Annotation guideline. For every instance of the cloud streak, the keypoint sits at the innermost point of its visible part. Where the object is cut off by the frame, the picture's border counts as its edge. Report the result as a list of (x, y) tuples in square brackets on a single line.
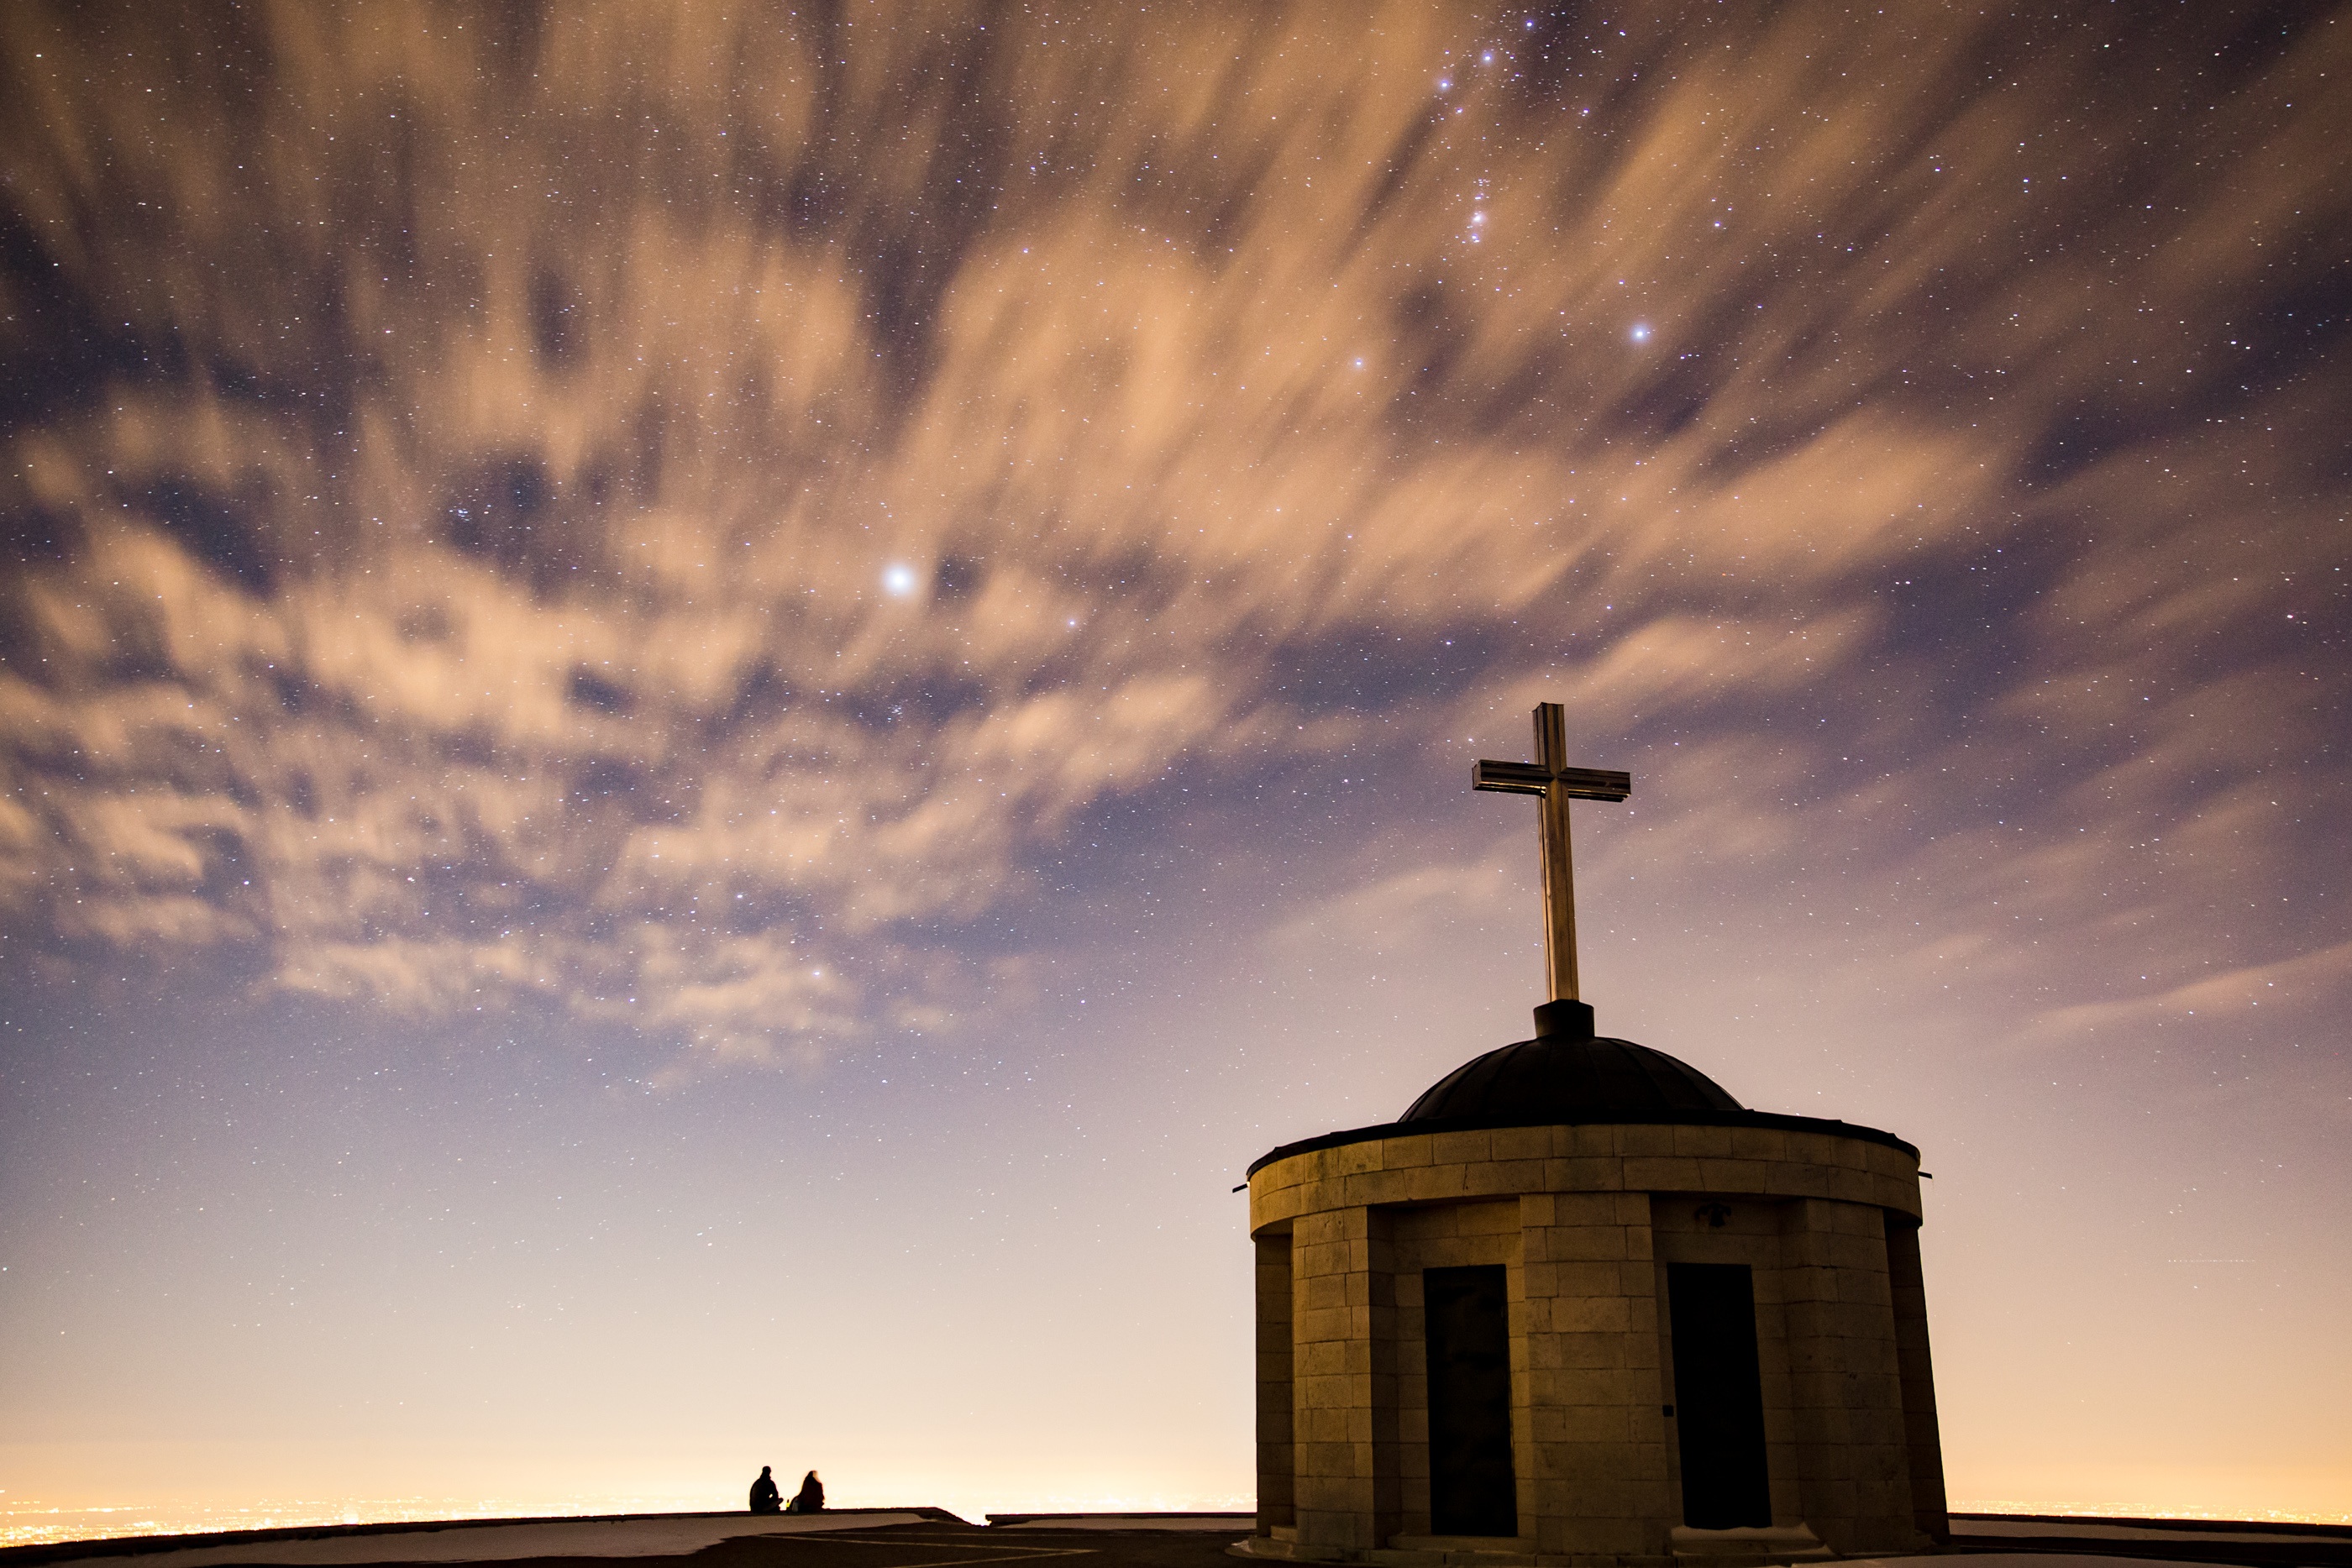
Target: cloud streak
[(454, 468)]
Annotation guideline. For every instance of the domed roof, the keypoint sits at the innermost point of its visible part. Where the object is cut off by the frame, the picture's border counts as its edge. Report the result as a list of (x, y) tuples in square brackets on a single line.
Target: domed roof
[(1567, 1074)]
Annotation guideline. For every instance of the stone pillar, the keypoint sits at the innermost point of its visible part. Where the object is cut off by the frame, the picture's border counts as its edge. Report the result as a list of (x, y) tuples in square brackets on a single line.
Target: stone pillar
[(1344, 1379), (1594, 1475), (1276, 1458), (1844, 1383), (1921, 1435)]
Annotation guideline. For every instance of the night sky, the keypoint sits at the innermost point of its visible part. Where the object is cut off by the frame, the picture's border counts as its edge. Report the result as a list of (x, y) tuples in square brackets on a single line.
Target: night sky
[(706, 709)]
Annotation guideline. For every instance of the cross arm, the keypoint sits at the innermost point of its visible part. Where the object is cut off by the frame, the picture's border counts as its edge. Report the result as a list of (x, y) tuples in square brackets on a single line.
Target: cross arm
[(1534, 779), (1593, 784), (1510, 778)]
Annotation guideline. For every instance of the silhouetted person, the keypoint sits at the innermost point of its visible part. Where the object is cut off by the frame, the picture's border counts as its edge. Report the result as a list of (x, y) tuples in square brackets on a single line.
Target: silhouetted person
[(765, 1497), (809, 1499)]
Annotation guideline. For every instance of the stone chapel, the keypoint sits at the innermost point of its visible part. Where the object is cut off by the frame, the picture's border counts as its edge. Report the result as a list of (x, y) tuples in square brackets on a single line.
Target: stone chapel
[(1579, 1307)]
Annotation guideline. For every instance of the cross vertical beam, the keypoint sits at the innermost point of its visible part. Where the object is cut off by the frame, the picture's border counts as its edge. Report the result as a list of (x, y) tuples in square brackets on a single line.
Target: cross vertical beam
[(1556, 784)]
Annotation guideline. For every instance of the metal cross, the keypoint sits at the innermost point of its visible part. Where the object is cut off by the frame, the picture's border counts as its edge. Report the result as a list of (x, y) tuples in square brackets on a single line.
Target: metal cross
[(1551, 777)]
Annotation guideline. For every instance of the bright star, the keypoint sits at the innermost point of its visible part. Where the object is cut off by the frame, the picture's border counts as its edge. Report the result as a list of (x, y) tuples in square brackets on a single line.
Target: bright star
[(1641, 333), (898, 580)]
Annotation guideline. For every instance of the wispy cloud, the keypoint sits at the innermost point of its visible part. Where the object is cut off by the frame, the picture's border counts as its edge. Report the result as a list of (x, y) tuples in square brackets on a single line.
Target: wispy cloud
[(455, 470)]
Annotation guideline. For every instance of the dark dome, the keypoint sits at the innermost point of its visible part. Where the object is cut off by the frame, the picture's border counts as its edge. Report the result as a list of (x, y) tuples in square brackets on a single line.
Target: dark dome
[(1569, 1077), (1565, 1076)]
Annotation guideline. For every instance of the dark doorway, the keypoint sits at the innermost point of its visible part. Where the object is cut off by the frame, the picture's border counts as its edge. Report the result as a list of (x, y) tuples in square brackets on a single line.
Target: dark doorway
[(1472, 1488), (1718, 1395)]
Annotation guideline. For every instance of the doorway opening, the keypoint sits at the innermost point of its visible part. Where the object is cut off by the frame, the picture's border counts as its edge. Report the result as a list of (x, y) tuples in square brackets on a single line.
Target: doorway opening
[(1473, 1486), (1718, 1395)]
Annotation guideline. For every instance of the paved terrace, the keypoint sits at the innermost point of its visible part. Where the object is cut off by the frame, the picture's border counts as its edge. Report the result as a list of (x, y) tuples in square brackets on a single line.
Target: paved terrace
[(933, 1537)]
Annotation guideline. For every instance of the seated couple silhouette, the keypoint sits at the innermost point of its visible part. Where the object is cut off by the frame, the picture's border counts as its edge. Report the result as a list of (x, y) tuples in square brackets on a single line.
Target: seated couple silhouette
[(767, 1499)]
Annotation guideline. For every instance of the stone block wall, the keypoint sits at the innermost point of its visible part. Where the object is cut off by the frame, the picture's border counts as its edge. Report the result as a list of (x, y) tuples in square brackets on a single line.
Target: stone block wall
[(1343, 1379), (1595, 1467), (1446, 1167), (1854, 1473), (1584, 1219)]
